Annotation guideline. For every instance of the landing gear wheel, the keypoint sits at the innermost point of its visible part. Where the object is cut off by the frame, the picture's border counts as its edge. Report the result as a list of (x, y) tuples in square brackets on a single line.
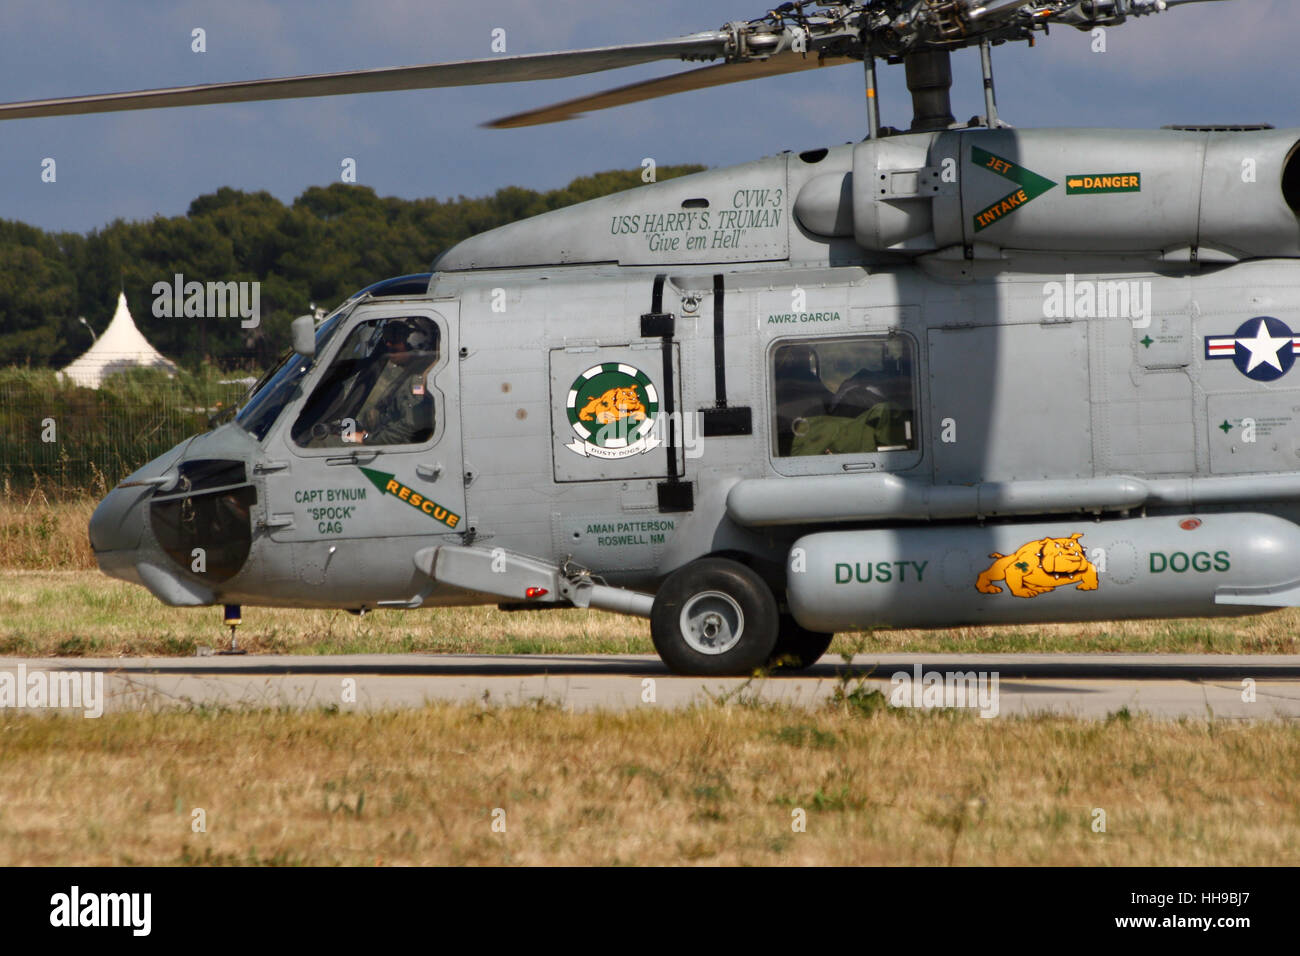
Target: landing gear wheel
[(714, 618), (797, 647)]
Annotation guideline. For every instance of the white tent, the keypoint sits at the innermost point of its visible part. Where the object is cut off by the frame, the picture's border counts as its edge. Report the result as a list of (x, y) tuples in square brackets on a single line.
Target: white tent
[(121, 347)]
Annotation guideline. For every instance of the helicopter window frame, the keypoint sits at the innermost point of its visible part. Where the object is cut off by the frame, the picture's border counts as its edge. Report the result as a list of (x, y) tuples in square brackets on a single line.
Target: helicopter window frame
[(372, 310), (885, 459), (281, 385), (354, 387)]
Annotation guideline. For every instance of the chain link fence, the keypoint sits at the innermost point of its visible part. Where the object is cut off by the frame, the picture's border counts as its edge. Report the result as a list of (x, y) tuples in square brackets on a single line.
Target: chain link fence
[(64, 438)]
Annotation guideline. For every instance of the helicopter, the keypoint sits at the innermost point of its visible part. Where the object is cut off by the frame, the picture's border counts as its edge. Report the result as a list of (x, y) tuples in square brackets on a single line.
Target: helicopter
[(958, 374)]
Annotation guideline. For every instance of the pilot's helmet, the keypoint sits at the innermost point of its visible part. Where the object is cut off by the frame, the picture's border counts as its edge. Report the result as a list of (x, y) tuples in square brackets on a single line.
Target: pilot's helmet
[(419, 341), (408, 333)]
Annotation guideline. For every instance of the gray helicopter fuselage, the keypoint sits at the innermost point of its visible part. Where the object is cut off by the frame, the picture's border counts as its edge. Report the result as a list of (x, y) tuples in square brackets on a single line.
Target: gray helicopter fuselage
[(875, 374)]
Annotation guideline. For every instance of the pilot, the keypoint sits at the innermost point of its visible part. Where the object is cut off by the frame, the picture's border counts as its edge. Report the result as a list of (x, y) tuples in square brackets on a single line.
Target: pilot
[(399, 409)]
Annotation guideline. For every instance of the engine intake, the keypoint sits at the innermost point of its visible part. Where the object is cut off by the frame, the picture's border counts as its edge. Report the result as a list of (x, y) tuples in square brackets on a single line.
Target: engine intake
[(1222, 194)]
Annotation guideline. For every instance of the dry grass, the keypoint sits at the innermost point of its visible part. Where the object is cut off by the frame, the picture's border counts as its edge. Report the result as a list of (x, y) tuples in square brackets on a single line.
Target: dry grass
[(85, 614), (712, 784), (715, 785), (41, 529)]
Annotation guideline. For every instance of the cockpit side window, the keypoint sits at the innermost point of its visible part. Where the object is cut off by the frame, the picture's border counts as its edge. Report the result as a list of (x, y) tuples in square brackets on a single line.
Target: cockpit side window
[(843, 396), (279, 386), (377, 390)]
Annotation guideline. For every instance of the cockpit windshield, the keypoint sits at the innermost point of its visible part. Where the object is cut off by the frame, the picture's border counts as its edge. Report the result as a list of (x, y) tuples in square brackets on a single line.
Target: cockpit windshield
[(377, 389), (269, 397)]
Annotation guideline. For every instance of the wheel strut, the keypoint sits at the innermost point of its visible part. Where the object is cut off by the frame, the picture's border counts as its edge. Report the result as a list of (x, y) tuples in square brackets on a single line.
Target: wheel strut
[(232, 620)]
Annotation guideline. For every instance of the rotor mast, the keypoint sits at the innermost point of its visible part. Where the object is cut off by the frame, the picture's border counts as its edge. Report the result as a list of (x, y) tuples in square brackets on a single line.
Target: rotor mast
[(929, 80)]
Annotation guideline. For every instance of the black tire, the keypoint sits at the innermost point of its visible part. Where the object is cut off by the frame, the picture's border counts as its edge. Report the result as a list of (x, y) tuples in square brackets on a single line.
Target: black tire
[(721, 594), (797, 647)]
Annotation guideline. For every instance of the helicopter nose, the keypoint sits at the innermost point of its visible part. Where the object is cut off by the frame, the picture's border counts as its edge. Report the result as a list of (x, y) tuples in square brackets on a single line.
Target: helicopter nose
[(179, 526), (116, 530)]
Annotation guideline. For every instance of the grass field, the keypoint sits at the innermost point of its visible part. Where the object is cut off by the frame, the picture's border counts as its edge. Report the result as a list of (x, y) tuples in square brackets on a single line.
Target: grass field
[(44, 529), (85, 614), (716, 784), (721, 783)]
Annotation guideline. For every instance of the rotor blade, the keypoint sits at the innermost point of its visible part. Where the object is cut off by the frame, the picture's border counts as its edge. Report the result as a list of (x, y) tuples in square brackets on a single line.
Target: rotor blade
[(699, 79), (503, 69)]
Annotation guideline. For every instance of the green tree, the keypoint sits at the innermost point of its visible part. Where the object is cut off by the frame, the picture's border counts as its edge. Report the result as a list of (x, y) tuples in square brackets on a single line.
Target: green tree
[(331, 241)]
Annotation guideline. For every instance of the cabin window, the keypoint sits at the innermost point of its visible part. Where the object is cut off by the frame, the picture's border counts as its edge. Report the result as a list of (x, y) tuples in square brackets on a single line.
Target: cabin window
[(377, 390), (844, 396)]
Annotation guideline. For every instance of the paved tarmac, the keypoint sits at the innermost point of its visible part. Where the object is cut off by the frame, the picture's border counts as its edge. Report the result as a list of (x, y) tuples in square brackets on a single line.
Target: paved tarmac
[(1092, 686)]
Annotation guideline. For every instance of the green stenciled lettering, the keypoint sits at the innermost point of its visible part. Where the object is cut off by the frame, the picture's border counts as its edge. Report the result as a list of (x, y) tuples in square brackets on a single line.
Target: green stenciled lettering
[(1221, 561), (880, 572)]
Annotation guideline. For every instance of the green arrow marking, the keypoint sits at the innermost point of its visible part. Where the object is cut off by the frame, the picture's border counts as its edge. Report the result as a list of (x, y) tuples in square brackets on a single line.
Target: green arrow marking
[(389, 485), (1226, 427), (1031, 186)]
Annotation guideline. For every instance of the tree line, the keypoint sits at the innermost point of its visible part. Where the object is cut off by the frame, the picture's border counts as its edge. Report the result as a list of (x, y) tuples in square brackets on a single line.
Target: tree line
[(325, 245)]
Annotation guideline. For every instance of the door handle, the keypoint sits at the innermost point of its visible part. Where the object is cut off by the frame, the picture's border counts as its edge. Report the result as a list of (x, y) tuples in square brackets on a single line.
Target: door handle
[(429, 472), (356, 458)]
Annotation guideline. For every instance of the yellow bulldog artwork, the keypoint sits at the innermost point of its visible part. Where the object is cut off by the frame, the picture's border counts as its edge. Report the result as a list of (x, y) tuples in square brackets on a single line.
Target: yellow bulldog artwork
[(614, 405), (612, 409), (1040, 566)]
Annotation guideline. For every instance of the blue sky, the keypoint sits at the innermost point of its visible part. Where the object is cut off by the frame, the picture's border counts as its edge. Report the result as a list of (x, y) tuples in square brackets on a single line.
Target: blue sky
[(1228, 62)]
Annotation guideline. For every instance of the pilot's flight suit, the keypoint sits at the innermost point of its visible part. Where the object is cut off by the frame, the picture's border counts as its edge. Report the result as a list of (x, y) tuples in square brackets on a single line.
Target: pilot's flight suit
[(371, 413), (404, 413)]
